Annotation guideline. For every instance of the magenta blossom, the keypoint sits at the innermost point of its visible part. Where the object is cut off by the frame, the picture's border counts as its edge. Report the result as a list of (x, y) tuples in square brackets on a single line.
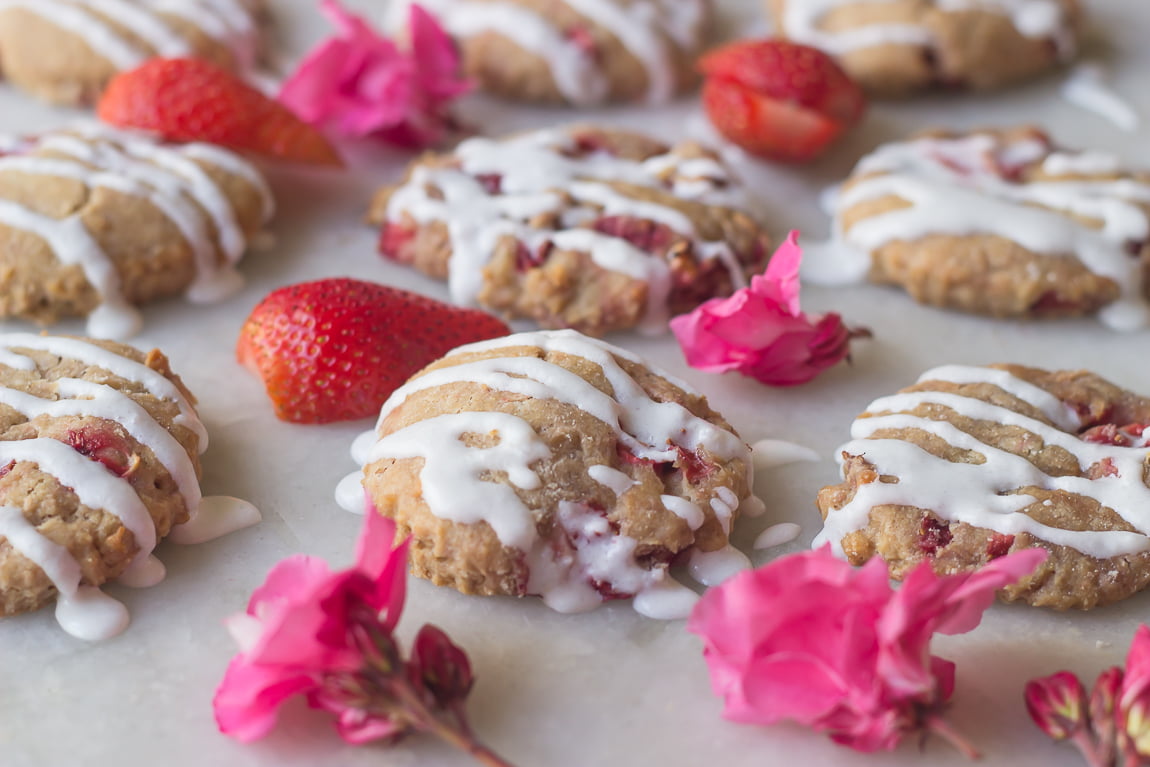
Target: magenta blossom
[(327, 636), (296, 630), (761, 332), (811, 639), (360, 84), (1113, 728)]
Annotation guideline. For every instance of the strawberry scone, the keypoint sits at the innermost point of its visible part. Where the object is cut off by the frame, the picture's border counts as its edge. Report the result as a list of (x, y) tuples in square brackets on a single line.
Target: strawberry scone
[(579, 52), (66, 51), (898, 47), (554, 464), (581, 227), (971, 463), (94, 221), (1002, 223), (99, 460)]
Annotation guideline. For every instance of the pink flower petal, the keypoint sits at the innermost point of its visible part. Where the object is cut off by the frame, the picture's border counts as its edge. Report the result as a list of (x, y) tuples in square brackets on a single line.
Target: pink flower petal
[(361, 84), (248, 700), (810, 639), (761, 332), (782, 273)]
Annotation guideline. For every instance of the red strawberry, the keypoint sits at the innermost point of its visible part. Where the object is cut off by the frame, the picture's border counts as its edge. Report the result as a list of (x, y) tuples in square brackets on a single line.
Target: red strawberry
[(195, 100), (334, 349), (778, 99)]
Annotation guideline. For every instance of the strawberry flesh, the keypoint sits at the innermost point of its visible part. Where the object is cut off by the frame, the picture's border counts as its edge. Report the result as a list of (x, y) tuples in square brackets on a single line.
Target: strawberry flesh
[(778, 99)]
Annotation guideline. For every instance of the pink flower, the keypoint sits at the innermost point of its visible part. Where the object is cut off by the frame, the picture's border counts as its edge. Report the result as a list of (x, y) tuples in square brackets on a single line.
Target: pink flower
[(361, 84), (811, 639), (1116, 728), (761, 332), (329, 637), (297, 630)]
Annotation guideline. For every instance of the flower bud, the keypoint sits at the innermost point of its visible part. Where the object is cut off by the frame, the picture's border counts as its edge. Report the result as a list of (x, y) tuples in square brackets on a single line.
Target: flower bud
[(1057, 704), (441, 667)]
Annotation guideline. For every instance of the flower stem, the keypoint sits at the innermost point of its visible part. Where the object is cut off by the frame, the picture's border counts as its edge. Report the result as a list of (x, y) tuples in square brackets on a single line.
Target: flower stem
[(1091, 751), (939, 726), (457, 733)]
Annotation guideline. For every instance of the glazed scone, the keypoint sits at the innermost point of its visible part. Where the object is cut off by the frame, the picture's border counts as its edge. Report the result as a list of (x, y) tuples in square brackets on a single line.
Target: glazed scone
[(94, 222), (899, 47), (99, 459), (1002, 223), (971, 463), (579, 52), (581, 227), (66, 51), (553, 464)]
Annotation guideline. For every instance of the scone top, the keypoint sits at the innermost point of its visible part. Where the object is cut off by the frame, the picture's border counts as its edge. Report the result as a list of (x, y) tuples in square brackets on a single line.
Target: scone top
[(581, 227)]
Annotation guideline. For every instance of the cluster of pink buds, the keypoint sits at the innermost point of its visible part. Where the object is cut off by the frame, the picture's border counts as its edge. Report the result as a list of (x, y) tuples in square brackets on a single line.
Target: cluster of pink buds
[(1111, 725)]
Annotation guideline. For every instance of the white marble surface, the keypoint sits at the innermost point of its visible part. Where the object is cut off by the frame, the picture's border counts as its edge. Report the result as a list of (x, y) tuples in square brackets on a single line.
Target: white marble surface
[(608, 687)]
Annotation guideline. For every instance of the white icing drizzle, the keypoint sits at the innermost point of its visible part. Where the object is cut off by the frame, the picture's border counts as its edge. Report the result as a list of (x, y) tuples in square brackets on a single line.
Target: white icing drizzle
[(615, 480), (1061, 414), (1081, 164), (453, 475), (711, 568), (449, 465), (1087, 88), (537, 177), (229, 22), (777, 535), (988, 494), (73, 348), (82, 610), (685, 510), (650, 429), (956, 187), (170, 178), (667, 600), (215, 517), (802, 22), (772, 453), (349, 494), (648, 29)]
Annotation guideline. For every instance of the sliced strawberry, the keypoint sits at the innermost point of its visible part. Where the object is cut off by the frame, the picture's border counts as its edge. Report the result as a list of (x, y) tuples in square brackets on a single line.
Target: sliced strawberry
[(195, 100), (335, 349), (778, 99)]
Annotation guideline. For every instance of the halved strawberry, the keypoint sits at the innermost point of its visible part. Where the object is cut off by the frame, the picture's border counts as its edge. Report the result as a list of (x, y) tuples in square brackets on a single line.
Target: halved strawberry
[(195, 100), (778, 99), (335, 349)]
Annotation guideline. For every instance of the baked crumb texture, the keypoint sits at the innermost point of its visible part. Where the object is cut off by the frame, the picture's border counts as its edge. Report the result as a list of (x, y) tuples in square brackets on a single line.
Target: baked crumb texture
[(972, 463), (578, 227)]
